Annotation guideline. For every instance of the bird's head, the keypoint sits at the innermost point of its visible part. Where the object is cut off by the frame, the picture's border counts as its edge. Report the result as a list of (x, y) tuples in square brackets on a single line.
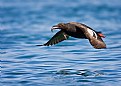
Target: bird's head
[(58, 26), (100, 34)]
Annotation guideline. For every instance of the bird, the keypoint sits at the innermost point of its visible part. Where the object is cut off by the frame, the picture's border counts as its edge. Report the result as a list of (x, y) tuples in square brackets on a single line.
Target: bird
[(76, 30)]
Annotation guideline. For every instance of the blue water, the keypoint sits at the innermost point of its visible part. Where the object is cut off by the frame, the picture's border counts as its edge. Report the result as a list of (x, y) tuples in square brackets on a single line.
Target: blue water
[(74, 62)]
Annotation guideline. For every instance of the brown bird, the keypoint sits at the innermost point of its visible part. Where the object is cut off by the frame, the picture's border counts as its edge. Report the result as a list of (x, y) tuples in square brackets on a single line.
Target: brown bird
[(77, 30)]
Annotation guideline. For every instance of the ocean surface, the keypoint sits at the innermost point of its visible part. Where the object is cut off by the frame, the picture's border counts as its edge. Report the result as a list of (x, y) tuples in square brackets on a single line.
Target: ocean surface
[(74, 62)]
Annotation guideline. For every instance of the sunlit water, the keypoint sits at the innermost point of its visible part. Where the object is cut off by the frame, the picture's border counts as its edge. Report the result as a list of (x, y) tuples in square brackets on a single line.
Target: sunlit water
[(74, 62)]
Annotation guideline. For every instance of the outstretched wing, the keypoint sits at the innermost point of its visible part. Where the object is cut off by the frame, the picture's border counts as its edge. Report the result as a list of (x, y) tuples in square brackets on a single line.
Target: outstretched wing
[(58, 37), (95, 40), (97, 43)]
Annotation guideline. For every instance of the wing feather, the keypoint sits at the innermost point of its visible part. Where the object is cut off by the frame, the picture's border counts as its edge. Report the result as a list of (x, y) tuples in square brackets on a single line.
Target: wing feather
[(58, 37), (95, 40)]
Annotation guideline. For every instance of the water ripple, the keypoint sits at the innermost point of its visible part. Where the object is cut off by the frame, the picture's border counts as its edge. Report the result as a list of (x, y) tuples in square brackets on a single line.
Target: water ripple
[(73, 62)]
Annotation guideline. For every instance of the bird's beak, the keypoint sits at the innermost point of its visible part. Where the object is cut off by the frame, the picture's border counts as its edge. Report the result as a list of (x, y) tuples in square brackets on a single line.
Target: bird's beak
[(54, 27)]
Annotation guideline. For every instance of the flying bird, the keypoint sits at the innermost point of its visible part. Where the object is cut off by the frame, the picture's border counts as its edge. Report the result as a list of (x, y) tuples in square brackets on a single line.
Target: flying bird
[(77, 30)]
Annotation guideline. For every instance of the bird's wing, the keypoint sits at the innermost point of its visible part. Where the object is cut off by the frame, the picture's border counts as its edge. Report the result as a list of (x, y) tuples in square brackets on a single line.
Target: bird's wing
[(97, 43), (58, 37), (95, 40)]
